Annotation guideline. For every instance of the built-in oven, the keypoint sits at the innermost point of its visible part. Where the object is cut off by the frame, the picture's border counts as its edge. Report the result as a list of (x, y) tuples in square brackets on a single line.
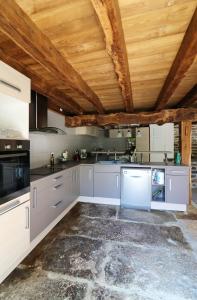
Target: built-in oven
[(14, 169)]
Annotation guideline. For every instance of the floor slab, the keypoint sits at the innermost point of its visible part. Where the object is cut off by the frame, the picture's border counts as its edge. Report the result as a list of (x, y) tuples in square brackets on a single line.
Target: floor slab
[(92, 254)]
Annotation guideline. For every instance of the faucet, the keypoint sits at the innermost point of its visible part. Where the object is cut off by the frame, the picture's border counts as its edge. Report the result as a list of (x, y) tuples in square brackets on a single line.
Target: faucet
[(108, 153), (115, 155), (96, 156)]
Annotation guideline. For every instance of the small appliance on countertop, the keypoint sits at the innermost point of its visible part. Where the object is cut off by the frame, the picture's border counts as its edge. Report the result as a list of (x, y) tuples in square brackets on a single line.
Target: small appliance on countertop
[(76, 156), (65, 156), (83, 153)]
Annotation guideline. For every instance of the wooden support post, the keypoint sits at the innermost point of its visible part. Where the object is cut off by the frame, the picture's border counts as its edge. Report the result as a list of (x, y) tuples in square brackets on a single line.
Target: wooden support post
[(186, 148)]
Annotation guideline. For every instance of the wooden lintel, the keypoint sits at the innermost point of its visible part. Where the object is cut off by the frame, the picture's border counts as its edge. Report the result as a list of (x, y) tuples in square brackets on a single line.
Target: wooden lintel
[(108, 13), (142, 118), (22, 30), (190, 98), (183, 60), (41, 86)]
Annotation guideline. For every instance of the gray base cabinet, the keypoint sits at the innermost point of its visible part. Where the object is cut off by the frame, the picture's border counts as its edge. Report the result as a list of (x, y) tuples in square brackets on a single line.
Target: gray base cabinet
[(50, 196), (177, 189), (86, 181), (107, 185)]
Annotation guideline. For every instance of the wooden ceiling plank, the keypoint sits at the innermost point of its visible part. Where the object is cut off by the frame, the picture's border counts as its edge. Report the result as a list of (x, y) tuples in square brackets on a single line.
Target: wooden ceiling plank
[(183, 60), (142, 118), (38, 84), (190, 98), (23, 31), (108, 13)]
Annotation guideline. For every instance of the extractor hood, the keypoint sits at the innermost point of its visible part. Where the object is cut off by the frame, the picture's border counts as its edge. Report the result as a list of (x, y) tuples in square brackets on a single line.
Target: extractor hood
[(53, 130), (38, 117)]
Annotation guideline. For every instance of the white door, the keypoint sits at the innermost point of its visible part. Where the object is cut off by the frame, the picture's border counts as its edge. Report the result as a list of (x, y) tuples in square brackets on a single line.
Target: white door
[(14, 237)]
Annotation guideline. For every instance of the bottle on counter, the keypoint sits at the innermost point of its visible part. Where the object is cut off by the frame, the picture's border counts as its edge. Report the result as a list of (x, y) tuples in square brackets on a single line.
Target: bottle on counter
[(52, 159), (178, 158)]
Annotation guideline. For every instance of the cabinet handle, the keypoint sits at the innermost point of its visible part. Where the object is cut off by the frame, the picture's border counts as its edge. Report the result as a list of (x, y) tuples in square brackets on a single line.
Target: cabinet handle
[(117, 181), (9, 206), (57, 204), (58, 177), (170, 185), (57, 187), (34, 197), (10, 85), (27, 217), (178, 172)]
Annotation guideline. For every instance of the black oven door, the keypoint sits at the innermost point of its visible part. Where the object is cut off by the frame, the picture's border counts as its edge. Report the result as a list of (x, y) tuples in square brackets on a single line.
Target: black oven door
[(14, 172)]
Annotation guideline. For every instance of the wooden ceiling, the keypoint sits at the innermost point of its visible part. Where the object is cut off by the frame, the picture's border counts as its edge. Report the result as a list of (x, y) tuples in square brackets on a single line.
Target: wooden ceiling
[(93, 56)]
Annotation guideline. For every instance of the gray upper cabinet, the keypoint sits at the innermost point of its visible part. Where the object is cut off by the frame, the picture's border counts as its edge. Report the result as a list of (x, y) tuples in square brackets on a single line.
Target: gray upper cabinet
[(177, 189), (86, 180), (107, 185)]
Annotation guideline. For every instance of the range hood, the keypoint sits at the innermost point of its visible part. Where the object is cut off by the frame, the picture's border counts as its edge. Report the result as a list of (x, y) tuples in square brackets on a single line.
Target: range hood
[(38, 116), (53, 130)]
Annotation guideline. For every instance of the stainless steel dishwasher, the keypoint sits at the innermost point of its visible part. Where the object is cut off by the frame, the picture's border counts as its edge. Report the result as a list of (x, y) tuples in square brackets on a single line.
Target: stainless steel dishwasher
[(136, 188)]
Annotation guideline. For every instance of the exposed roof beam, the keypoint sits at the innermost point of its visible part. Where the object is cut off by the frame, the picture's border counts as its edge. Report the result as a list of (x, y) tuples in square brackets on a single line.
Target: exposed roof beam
[(144, 118), (40, 85), (108, 13), (23, 31), (181, 64), (189, 98)]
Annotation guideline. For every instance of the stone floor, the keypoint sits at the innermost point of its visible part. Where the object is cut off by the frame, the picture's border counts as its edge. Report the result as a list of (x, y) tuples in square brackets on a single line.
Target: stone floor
[(99, 252)]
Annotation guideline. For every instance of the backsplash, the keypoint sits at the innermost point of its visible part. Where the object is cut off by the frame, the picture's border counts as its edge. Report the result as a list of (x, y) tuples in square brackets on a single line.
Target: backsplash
[(42, 144)]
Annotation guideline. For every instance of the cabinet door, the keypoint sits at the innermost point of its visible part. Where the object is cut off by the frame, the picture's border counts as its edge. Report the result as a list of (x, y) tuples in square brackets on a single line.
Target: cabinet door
[(107, 185), (14, 236), (86, 181), (39, 210), (177, 189), (76, 182), (14, 84)]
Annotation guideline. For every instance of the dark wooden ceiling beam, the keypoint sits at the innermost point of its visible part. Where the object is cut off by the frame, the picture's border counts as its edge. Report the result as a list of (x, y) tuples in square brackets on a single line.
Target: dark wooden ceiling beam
[(181, 64), (40, 85), (108, 13), (23, 31), (190, 98), (144, 118)]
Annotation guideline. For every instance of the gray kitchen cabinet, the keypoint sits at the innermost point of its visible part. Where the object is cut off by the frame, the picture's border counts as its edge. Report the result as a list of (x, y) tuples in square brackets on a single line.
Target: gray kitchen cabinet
[(107, 185), (50, 196), (75, 182), (86, 180), (39, 217), (177, 189)]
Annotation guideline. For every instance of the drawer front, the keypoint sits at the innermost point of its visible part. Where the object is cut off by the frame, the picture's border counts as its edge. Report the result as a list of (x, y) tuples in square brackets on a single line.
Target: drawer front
[(107, 168), (178, 171)]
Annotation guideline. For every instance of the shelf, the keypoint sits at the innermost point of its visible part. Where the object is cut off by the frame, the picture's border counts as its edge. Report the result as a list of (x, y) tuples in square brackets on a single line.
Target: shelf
[(158, 199), (155, 184)]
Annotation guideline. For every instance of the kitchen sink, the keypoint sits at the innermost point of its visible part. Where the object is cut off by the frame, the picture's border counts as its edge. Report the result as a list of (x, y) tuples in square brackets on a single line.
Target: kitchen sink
[(109, 162)]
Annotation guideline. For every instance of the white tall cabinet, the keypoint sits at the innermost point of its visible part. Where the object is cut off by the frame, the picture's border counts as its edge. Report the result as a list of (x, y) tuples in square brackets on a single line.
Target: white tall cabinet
[(161, 139)]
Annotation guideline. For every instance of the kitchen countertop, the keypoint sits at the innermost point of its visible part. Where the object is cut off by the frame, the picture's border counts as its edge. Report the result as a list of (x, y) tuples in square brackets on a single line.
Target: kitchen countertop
[(39, 173)]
